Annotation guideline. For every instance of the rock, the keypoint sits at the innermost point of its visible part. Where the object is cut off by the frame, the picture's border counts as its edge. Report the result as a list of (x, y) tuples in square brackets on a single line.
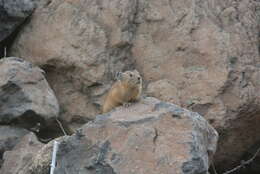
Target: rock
[(12, 14), (18, 160), (9, 137), (161, 88), (25, 96), (148, 137), (203, 55), (89, 42)]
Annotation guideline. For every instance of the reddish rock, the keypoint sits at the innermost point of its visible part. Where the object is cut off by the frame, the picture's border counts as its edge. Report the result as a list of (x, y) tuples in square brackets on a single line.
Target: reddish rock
[(89, 41), (148, 137), (203, 55)]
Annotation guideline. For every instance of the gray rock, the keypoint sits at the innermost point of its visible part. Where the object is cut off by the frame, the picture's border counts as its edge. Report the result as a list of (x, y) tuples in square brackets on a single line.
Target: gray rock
[(148, 137), (9, 137), (25, 96), (20, 157), (12, 14)]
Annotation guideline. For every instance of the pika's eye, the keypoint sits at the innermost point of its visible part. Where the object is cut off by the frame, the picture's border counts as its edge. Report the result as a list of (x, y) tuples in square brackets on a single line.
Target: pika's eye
[(131, 75)]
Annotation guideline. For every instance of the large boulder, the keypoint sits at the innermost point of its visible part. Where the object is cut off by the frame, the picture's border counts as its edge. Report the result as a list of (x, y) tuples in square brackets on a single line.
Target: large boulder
[(25, 96), (81, 53), (202, 55), (148, 137)]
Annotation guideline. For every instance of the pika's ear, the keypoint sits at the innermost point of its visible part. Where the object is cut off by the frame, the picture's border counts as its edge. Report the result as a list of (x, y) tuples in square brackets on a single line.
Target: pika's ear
[(118, 76)]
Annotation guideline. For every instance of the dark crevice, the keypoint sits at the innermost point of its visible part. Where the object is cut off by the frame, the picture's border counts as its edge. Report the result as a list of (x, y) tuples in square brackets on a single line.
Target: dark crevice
[(1, 159), (241, 132), (28, 120), (155, 136), (253, 167), (53, 130), (259, 42), (6, 43), (45, 131)]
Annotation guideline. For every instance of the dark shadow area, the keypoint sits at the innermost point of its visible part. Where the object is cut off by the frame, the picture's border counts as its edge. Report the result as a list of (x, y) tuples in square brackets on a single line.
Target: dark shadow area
[(6, 42), (45, 131), (56, 128)]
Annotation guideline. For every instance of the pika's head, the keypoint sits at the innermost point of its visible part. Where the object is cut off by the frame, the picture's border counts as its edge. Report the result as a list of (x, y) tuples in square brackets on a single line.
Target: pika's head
[(132, 78)]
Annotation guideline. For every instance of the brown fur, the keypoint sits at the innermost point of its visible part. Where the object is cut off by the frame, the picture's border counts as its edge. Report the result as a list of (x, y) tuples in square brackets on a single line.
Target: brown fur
[(127, 88)]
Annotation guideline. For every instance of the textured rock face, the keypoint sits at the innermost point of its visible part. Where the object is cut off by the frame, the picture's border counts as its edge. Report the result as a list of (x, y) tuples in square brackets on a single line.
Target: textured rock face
[(9, 137), (148, 137), (25, 96), (83, 49), (207, 53), (203, 55), (20, 158), (12, 14)]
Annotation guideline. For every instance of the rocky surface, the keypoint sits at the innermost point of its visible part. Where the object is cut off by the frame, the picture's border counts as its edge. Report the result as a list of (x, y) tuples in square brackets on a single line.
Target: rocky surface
[(82, 51), (202, 55), (20, 158), (148, 137), (25, 96), (9, 137), (12, 14)]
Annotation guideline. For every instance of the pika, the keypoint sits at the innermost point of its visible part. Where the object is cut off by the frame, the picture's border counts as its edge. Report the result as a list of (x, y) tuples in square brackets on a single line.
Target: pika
[(127, 88)]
